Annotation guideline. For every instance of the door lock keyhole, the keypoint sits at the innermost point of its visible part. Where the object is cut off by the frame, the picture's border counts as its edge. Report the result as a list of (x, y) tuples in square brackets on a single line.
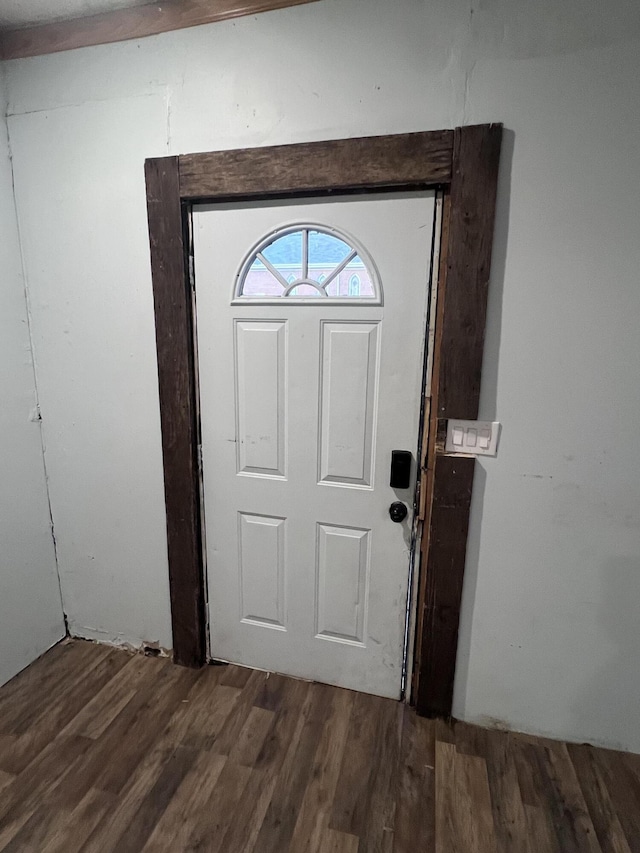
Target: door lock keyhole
[(398, 511)]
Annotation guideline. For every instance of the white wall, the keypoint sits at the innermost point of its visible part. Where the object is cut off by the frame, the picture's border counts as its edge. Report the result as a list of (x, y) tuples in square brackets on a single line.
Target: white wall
[(31, 617), (548, 637)]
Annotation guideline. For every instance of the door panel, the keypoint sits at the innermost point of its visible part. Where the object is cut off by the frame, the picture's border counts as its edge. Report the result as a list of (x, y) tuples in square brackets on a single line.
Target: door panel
[(302, 403), (260, 367), (261, 569), (348, 416), (342, 572)]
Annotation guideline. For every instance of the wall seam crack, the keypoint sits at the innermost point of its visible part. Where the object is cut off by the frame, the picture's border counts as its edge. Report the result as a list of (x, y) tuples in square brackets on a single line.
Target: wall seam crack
[(470, 66), (27, 300)]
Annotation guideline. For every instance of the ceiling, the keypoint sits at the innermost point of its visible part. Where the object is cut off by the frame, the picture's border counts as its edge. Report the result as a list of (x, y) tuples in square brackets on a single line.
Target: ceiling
[(24, 13)]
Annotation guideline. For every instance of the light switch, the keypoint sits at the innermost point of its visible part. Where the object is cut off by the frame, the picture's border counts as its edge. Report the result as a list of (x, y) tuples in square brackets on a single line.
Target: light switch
[(475, 438)]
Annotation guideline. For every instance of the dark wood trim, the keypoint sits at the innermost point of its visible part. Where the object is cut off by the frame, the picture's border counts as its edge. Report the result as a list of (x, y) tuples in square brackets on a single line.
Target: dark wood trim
[(444, 573), (465, 164), (176, 379), (467, 241), (125, 24), (474, 183), (369, 162)]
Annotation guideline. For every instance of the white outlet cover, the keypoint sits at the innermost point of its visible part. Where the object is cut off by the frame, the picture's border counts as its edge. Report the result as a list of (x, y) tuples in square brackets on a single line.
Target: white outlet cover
[(473, 438)]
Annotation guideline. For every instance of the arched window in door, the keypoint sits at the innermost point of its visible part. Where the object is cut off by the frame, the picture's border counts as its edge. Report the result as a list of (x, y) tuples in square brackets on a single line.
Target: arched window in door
[(307, 261)]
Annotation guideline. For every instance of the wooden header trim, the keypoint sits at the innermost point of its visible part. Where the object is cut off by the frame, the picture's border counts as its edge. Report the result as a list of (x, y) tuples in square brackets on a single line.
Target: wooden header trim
[(341, 164), (125, 24)]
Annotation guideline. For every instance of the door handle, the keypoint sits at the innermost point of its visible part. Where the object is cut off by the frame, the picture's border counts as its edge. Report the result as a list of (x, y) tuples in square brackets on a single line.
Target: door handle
[(398, 512), (400, 469)]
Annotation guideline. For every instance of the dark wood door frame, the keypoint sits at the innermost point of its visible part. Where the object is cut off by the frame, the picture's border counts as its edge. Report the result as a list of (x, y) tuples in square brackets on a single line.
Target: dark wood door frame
[(463, 164)]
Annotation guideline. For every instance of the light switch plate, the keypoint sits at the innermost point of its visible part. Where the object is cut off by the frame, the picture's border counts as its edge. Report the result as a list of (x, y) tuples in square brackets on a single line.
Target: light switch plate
[(473, 438)]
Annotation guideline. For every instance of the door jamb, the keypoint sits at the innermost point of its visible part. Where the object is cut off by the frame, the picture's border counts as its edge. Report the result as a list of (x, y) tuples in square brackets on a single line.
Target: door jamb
[(464, 164), (410, 650)]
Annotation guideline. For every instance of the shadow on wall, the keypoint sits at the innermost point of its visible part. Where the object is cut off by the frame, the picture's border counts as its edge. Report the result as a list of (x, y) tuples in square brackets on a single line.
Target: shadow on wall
[(489, 393), (610, 700), (488, 407), (469, 588)]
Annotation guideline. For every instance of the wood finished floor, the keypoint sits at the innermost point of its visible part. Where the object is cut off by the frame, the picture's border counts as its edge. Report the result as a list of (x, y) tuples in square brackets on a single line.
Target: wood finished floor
[(103, 751)]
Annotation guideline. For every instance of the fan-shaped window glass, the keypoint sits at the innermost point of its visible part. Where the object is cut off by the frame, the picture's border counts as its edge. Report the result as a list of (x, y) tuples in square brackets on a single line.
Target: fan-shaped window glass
[(302, 262)]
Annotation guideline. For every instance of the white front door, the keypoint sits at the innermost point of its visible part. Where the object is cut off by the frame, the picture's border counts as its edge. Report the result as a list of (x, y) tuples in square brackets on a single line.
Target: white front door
[(311, 319)]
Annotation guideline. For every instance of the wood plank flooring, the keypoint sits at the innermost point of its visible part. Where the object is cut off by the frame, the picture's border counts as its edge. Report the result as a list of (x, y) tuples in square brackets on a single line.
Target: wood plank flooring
[(101, 750)]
